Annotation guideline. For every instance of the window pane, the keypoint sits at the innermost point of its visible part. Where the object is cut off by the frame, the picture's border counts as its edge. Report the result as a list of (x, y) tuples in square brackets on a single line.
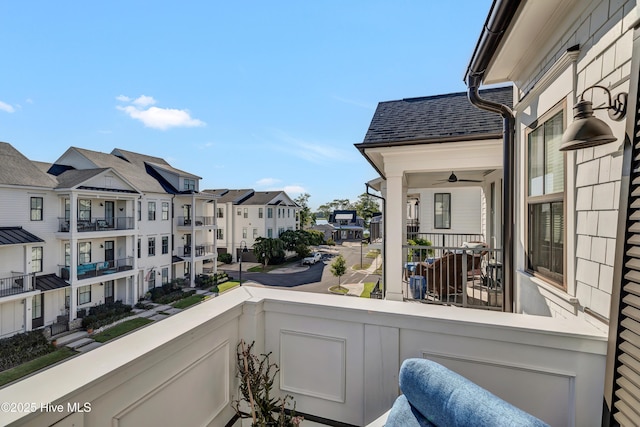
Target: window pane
[(554, 164), (536, 162), (546, 238)]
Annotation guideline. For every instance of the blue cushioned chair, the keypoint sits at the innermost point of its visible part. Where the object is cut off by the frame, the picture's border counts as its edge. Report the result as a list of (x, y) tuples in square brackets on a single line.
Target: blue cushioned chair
[(435, 396)]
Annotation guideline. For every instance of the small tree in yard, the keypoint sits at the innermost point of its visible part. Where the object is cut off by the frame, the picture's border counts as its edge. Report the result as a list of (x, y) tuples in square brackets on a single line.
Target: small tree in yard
[(339, 267)]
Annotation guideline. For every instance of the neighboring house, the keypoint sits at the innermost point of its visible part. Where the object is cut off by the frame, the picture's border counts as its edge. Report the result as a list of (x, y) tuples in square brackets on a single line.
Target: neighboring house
[(322, 225), (94, 228), (574, 252), (347, 225), (415, 144), (244, 215)]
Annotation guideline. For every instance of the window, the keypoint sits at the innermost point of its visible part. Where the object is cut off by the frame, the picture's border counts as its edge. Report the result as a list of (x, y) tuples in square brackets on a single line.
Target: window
[(152, 279), (67, 209), (152, 211), (84, 294), (36, 209), (84, 210), (260, 212), (139, 248), (269, 212), (152, 246), (545, 201), (269, 233), (244, 233), (67, 254), (220, 234), (139, 210), (239, 211), (255, 233), (165, 211), (36, 306), (280, 231), (165, 245), (279, 212), (442, 210), (84, 252), (108, 291), (36, 259), (189, 184), (165, 275), (220, 213), (246, 212)]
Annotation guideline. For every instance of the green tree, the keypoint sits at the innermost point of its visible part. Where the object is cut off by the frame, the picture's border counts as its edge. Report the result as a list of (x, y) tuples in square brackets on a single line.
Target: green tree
[(267, 250), (366, 206), (296, 240), (339, 267), (306, 218)]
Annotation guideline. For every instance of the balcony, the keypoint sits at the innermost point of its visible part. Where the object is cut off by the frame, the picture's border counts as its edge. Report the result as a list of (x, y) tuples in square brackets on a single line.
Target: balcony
[(339, 359), (17, 284), (199, 250), (198, 221), (98, 224), (102, 268), (465, 276)]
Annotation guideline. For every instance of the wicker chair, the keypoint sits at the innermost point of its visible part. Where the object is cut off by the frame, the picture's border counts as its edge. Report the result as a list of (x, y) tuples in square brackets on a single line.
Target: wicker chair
[(444, 276)]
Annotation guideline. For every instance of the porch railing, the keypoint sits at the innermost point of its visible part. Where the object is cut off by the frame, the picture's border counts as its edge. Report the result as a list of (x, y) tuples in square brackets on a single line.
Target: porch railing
[(17, 284), (100, 268), (447, 239), (200, 250), (454, 275), (198, 221), (98, 224)]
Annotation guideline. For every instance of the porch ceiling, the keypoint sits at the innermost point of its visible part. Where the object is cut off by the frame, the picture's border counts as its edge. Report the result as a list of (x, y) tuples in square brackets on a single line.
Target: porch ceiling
[(438, 179)]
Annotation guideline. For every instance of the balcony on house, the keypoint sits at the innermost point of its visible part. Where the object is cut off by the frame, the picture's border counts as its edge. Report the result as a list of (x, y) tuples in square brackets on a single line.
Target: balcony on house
[(339, 358), (197, 221), (98, 224), (17, 283), (201, 250), (99, 268)]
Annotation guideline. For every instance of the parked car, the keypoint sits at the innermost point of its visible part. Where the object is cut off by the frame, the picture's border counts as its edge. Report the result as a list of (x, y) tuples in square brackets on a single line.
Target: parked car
[(312, 259)]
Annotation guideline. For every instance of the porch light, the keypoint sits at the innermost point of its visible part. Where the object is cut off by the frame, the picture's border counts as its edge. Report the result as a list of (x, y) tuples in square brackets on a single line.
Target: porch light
[(589, 131)]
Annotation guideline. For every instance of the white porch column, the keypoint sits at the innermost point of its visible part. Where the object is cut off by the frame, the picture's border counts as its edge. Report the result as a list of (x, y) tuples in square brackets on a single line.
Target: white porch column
[(396, 231)]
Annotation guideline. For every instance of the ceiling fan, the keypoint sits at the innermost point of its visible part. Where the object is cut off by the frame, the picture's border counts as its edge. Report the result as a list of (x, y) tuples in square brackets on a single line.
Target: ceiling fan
[(453, 179)]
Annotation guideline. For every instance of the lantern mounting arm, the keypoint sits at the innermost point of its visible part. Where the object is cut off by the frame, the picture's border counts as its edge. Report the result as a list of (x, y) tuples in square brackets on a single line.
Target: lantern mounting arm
[(617, 108)]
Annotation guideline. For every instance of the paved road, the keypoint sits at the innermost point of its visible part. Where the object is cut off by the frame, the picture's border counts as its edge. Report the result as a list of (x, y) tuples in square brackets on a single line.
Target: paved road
[(316, 278)]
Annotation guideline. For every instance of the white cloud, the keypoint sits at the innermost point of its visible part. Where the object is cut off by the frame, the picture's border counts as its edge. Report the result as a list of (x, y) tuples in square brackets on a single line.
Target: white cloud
[(267, 182), (315, 152), (294, 190), (6, 107), (144, 101), (155, 117)]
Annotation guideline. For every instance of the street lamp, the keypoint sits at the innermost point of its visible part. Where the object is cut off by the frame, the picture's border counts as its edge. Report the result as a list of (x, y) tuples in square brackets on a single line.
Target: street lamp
[(243, 249)]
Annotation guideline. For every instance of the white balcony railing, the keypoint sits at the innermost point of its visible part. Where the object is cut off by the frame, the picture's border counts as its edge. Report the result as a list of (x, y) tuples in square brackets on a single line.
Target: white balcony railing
[(339, 358)]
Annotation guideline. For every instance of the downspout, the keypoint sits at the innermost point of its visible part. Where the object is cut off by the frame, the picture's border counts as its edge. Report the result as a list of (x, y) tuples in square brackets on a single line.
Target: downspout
[(384, 236), (500, 16)]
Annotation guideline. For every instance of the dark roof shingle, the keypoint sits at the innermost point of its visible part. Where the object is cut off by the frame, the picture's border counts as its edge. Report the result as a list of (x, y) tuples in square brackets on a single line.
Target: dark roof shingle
[(16, 169), (436, 117)]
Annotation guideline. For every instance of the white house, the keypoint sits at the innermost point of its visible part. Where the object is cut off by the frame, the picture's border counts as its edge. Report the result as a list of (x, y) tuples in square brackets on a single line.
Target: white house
[(244, 215)]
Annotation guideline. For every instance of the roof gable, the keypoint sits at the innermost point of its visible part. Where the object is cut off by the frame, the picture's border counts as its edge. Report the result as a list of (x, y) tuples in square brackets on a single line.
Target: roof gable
[(432, 118)]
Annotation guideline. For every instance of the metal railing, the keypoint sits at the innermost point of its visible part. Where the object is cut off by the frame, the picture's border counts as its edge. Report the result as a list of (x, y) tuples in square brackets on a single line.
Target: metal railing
[(98, 224), (200, 250), (454, 275), (100, 268), (198, 221), (447, 239), (17, 284)]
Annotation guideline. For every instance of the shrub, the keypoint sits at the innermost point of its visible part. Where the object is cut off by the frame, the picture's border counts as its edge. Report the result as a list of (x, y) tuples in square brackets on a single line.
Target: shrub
[(226, 258), (105, 314), (23, 347), (331, 242)]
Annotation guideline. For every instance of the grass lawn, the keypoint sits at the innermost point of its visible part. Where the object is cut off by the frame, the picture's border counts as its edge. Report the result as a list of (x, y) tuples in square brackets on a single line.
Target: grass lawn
[(34, 365), (341, 290), (361, 266), (188, 301), (121, 329), (368, 287), (227, 285), (372, 254)]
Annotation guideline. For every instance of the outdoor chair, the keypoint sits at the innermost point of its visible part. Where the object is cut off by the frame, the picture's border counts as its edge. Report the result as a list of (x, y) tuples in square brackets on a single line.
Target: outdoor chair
[(444, 276)]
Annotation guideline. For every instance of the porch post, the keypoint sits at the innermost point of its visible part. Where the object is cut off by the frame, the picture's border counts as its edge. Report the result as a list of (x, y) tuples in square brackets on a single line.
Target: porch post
[(396, 231)]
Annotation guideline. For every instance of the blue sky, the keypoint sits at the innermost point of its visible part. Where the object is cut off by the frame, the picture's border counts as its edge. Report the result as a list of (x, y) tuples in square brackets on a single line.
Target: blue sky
[(264, 95)]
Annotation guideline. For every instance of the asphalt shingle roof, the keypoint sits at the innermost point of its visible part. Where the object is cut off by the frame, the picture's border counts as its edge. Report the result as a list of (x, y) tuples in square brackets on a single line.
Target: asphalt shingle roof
[(16, 169), (73, 177), (436, 117)]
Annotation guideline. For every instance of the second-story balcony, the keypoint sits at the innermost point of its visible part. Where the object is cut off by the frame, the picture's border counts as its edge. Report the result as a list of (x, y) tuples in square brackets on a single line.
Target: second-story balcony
[(17, 284), (98, 224), (100, 268), (206, 249), (197, 221)]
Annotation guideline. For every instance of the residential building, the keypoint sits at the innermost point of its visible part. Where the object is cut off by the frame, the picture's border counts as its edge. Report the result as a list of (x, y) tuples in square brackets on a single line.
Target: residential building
[(94, 228), (347, 225), (244, 215)]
